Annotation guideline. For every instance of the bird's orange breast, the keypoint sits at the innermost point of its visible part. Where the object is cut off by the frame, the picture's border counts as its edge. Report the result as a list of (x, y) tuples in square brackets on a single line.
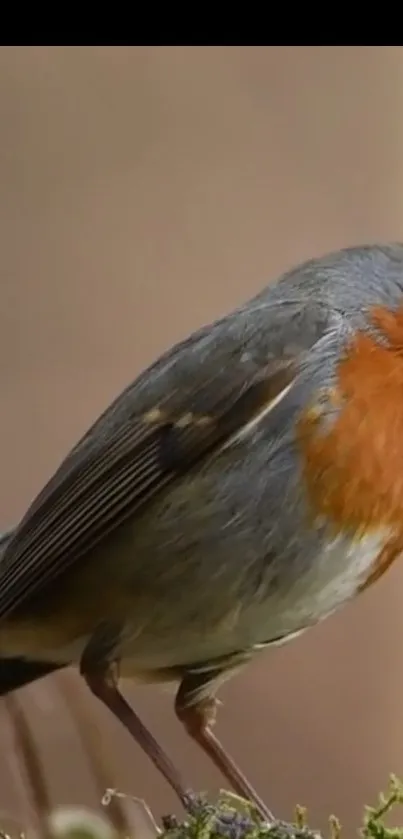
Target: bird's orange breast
[(353, 463)]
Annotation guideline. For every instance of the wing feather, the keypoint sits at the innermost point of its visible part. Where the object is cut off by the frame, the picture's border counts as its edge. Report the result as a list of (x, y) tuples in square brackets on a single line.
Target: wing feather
[(100, 487)]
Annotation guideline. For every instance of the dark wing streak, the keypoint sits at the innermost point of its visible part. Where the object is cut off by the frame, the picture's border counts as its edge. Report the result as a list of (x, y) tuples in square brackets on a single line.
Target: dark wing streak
[(102, 498), (63, 489), (80, 540), (56, 496), (72, 521), (58, 493), (119, 478)]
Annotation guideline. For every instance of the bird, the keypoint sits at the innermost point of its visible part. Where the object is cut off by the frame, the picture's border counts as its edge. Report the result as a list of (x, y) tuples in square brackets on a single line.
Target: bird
[(241, 489)]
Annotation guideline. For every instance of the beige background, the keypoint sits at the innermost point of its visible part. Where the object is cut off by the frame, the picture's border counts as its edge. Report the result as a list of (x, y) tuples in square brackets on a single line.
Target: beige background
[(144, 191)]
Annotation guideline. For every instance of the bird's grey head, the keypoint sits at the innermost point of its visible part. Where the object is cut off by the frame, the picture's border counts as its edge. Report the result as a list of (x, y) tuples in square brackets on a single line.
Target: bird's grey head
[(346, 279)]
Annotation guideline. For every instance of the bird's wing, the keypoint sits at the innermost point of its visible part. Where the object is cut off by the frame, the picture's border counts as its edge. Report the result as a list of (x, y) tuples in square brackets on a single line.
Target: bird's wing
[(100, 486)]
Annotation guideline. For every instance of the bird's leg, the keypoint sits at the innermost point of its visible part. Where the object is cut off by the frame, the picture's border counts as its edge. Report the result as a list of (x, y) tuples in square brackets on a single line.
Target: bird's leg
[(196, 708), (102, 682)]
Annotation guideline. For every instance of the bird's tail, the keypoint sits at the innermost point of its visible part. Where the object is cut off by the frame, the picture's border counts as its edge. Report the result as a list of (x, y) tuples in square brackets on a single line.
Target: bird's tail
[(15, 672)]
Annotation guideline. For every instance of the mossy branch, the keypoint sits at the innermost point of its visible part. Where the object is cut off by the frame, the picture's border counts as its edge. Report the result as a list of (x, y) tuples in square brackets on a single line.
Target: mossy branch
[(229, 818)]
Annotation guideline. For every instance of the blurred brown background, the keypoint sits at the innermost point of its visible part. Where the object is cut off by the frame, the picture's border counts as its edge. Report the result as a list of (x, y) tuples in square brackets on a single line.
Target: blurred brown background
[(144, 191)]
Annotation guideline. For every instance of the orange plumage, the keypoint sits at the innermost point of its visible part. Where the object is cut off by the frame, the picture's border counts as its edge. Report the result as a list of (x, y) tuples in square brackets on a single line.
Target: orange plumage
[(354, 468)]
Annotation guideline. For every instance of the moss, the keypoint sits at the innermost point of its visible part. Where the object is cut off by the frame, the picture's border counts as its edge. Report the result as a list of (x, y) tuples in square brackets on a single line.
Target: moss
[(233, 818), (229, 818)]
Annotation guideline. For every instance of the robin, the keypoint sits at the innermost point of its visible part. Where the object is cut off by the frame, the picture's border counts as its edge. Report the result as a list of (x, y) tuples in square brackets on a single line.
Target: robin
[(242, 488)]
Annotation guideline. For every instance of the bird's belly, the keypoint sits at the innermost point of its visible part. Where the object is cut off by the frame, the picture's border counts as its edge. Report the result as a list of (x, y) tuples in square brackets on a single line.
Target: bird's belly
[(324, 583), (341, 569), (176, 621)]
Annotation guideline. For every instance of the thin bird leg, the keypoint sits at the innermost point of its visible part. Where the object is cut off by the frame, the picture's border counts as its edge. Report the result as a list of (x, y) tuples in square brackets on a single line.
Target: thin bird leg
[(198, 717), (103, 684)]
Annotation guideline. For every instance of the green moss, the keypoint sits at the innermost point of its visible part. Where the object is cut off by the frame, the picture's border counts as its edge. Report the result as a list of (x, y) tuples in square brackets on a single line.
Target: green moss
[(374, 817), (230, 817), (233, 818)]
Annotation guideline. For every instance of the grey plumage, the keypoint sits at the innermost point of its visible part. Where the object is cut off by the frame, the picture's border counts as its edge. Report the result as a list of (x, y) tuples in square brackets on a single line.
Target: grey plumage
[(176, 535), (226, 524)]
